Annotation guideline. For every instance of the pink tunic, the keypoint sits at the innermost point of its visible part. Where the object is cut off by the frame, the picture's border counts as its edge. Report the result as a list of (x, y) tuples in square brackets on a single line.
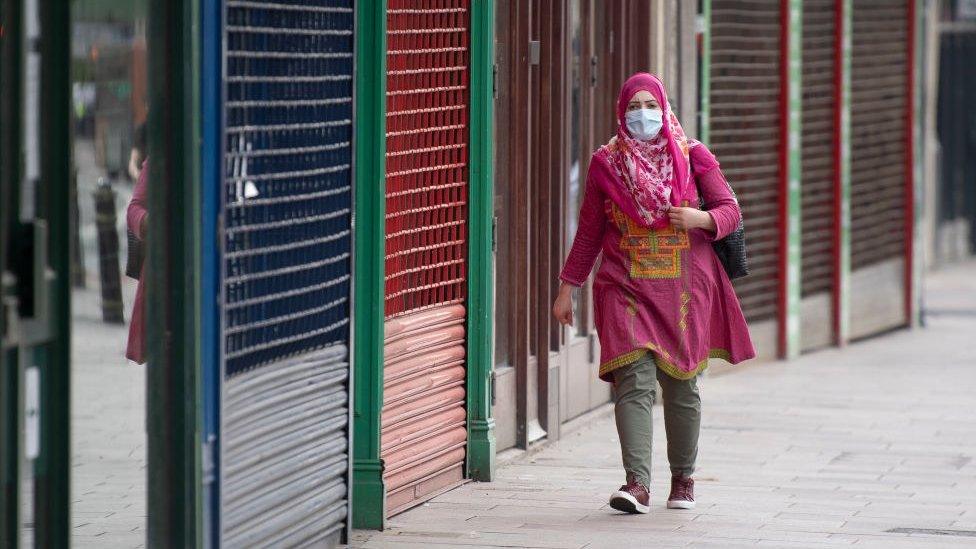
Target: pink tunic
[(135, 349), (659, 290)]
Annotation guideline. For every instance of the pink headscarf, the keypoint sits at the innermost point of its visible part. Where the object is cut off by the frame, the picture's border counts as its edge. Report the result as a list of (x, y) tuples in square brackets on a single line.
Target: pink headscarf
[(651, 175)]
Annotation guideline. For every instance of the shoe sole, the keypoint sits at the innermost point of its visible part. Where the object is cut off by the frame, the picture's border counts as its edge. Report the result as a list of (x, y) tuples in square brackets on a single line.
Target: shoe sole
[(622, 501), (680, 504)]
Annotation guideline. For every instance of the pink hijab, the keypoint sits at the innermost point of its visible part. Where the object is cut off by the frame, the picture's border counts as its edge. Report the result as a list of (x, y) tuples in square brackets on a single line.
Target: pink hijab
[(648, 177)]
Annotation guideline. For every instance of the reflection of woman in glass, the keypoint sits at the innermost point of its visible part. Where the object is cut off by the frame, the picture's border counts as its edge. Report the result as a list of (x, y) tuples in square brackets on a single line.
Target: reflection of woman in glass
[(137, 156), (663, 304), (137, 218)]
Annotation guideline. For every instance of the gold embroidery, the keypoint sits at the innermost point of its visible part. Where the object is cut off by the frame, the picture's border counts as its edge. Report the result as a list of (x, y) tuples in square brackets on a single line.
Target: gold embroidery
[(654, 253), (663, 361), (685, 299), (631, 305), (632, 325)]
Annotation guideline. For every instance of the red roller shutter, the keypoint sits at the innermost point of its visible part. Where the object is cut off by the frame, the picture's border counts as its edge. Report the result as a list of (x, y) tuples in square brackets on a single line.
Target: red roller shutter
[(745, 118), (817, 204), (424, 433), (878, 112)]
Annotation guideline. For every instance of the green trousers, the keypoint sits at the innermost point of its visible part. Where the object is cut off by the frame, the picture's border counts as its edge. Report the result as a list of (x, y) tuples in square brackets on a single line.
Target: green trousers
[(633, 396)]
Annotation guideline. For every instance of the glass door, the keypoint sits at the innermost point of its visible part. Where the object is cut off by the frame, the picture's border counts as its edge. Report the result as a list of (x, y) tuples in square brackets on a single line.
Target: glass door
[(580, 387)]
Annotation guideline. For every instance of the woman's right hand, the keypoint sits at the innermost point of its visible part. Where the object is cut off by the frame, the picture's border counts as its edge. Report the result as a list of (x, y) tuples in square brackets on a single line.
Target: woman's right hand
[(562, 308)]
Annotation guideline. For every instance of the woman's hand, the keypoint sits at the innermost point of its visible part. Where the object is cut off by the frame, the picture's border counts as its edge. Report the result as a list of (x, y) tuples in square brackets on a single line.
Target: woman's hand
[(562, 308), (686, 219)]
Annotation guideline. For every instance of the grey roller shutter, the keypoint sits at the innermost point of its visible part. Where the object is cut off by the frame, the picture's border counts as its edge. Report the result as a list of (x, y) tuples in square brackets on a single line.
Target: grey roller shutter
[(817, 204), (879, 138), (745, 118), (878, 114)]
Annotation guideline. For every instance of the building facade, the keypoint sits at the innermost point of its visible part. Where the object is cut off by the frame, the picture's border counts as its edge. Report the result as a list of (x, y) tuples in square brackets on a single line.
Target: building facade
[(349, 310)]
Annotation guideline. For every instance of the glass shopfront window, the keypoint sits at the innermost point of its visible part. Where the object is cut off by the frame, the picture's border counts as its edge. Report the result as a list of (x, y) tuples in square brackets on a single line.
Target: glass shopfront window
[(109, 110)]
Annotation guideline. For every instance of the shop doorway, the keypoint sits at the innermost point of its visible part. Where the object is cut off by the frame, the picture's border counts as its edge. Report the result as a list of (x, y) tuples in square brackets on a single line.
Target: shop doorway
[(560, 65)]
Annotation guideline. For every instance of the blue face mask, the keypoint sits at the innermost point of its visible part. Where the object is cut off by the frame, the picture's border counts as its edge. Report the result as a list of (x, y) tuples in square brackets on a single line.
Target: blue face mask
[(644, 124)]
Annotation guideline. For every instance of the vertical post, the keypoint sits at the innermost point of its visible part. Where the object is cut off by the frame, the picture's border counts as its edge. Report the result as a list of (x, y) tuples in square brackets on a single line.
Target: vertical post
[(481, 426), (653, 16), (173, 277), (211, 107), (10, 444), (705, 83), (368, 490), (842, 173), (912, 164), (52, 485), (77, 251), (519, 170), (11, 131), (106, 224), (791, 13)]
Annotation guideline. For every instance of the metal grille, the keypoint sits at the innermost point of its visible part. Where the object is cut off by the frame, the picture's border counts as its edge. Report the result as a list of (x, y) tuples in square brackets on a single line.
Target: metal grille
[(287, 196), (745, 118), (878, 110), (286, 272), (426, 153), (817, 204)]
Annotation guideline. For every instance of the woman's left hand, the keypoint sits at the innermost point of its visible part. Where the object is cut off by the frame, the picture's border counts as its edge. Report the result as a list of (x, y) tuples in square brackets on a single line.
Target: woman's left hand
[(686, 219)]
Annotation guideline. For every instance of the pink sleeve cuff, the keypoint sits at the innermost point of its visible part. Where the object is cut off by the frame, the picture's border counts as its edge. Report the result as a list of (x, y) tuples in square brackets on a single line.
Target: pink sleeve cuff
[(578, 284), (712, 235)]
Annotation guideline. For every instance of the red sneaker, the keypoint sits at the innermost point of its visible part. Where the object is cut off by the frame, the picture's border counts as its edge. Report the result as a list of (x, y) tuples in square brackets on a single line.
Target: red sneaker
[(682, 493), (632, 497)]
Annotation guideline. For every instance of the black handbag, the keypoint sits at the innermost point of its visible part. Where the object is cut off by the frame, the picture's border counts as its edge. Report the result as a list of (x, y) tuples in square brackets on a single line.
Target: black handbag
[(134, 259), (731, 250)]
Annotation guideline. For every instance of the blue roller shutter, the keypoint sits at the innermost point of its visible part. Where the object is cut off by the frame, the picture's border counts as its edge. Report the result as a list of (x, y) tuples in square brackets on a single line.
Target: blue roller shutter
[(286, 272)]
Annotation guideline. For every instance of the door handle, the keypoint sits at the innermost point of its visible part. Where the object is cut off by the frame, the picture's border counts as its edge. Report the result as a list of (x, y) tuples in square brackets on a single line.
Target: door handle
[(35, 286), (11, 320)]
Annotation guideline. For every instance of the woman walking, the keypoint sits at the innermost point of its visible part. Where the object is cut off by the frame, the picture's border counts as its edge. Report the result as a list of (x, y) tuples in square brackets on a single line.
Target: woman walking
[(663, 305)]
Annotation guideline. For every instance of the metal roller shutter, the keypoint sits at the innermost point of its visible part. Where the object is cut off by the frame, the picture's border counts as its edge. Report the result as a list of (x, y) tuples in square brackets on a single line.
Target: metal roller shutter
[(424, 435), (286, 272), (817, 203), (878, 110), (745, 135)]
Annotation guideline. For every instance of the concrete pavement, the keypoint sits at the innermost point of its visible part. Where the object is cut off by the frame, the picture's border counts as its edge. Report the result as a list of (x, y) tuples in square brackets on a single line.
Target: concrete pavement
[(108, 434), (108, 393), (868, 446)]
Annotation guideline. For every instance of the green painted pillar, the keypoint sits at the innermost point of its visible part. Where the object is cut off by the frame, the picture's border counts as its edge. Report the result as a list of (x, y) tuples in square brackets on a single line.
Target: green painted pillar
[(916, 187), (842, 175), (368, 490), (481, 426), (791, 96), (11, 392), (173, 276), (52, 484)]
